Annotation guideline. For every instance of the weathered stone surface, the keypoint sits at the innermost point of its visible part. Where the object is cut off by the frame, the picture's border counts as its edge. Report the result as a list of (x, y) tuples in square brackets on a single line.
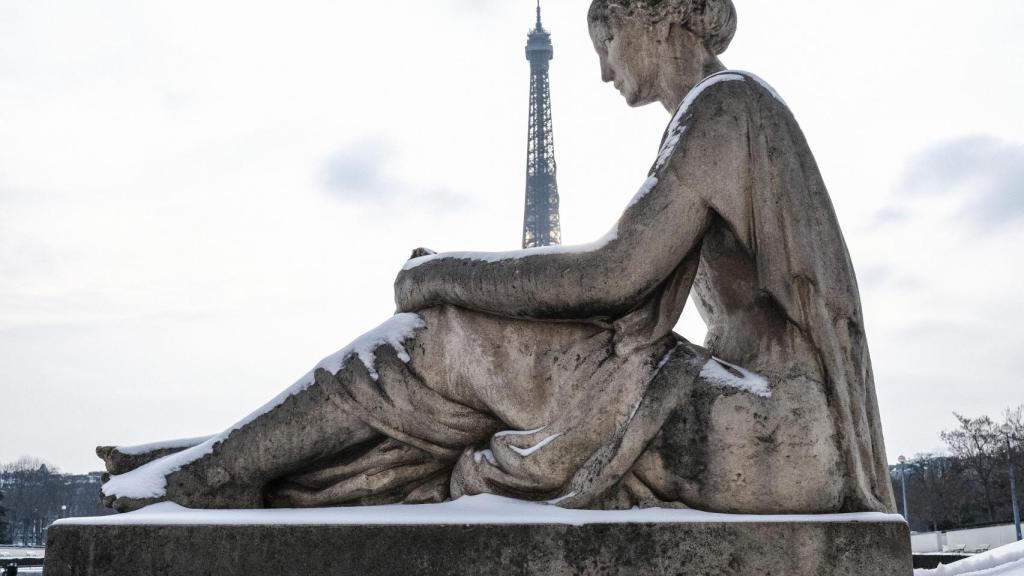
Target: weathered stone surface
[(771, 549)]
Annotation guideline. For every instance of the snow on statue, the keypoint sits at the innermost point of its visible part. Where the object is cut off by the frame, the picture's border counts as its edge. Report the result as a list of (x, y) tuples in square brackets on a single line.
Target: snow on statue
[(552, 374)]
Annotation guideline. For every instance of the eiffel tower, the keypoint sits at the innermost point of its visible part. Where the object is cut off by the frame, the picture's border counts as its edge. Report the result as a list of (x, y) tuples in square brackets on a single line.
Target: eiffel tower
[(541, 222)]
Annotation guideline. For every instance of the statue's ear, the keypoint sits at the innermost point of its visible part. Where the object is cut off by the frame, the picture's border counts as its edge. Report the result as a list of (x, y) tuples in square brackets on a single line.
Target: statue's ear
[(616, 14)]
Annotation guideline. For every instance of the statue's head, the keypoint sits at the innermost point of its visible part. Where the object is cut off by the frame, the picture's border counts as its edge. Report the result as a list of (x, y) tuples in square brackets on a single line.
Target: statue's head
[(639, 41)]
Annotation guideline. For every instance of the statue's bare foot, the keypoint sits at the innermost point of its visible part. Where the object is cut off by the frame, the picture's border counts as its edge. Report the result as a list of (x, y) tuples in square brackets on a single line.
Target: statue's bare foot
[(118, 462), (187, 487), (206, 485), (129, 504), (122, 459), (203, 483)]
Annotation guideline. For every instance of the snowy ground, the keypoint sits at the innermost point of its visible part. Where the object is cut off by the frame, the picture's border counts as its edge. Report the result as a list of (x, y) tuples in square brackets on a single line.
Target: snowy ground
[(16, 552), (1004, 561)]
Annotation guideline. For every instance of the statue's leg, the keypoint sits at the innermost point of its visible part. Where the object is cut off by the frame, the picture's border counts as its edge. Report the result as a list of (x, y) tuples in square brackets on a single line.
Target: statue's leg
[(728, 446), (379, 386), (305, 428)]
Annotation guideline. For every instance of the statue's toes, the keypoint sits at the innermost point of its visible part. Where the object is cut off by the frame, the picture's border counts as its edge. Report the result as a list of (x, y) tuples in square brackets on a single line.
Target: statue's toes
[(121, 505)]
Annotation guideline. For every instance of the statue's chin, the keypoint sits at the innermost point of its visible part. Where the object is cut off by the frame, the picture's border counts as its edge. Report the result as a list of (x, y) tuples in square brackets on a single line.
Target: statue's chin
[(628, 95), (635, 100), (635, 96)]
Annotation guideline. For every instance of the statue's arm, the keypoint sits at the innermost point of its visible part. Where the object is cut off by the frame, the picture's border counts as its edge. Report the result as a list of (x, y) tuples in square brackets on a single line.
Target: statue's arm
[(606, 279), (598, 283)]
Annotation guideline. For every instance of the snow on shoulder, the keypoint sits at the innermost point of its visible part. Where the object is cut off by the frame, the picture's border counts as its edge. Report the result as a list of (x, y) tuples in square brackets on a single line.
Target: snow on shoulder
[(677, 129), (150, 480), (468, 510), (1004, 561)]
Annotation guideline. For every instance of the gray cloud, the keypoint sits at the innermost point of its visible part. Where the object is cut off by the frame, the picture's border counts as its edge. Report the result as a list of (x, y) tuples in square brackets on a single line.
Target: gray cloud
[(873, 275), (883, 276), (474, 7), (357, 172), (889, 215), (986, 172), (361, 173)]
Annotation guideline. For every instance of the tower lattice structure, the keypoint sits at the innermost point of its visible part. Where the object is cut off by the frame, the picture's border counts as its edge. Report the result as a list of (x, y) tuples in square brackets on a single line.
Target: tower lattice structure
[(541, 222)]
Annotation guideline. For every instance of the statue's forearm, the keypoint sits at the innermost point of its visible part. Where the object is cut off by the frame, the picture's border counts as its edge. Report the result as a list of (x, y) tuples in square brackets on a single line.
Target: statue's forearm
[(601, 281), (567, 285)]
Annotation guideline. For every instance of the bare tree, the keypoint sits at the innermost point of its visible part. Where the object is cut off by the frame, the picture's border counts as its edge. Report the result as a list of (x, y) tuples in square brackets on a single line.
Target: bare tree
[(4, 539), (26, 464), (977, 443), (940, 491), (1015, 420)]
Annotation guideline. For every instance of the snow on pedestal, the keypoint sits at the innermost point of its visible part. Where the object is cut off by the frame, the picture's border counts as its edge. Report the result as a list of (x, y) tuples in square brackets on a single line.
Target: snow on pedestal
[(468, 510)]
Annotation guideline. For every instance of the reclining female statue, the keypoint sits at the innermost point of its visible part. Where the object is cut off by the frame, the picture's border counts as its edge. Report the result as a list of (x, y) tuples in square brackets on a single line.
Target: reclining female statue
[(553, 374)]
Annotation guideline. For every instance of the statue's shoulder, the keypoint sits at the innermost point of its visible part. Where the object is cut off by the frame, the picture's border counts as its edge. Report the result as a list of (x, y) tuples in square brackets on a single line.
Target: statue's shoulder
[(728, 89), (760, 87), (729, 96)]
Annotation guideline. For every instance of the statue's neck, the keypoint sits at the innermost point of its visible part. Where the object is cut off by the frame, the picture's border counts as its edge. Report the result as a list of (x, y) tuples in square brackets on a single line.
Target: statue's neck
[(677, 85)]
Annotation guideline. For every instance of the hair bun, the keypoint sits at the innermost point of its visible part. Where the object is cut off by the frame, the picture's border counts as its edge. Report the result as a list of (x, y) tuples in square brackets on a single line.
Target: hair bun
[(714, 21)]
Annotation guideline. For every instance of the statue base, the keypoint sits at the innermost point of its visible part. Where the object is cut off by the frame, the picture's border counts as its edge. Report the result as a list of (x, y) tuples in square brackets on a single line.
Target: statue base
[(409, 540)]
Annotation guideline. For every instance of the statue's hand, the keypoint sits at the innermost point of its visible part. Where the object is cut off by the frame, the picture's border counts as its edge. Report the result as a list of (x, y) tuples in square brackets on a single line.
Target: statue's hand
[(410, 293), (420, 252), (411, 290)]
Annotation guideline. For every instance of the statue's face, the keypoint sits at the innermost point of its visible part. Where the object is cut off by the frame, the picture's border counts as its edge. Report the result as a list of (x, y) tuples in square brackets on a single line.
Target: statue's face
[(628, 51)]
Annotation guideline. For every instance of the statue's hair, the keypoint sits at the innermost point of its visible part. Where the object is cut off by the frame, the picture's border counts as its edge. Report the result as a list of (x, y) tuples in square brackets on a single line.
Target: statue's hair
[(713, 21)]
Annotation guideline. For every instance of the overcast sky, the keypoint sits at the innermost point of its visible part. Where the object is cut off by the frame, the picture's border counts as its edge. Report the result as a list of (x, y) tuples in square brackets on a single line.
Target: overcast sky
[(200, 199)]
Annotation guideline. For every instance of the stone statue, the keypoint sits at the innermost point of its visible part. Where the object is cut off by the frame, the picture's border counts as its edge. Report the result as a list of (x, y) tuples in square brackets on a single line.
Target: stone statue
[(553, 374)]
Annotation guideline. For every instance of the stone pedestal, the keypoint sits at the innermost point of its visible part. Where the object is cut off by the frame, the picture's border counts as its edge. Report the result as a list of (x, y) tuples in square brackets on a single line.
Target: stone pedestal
[(859, 546)]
